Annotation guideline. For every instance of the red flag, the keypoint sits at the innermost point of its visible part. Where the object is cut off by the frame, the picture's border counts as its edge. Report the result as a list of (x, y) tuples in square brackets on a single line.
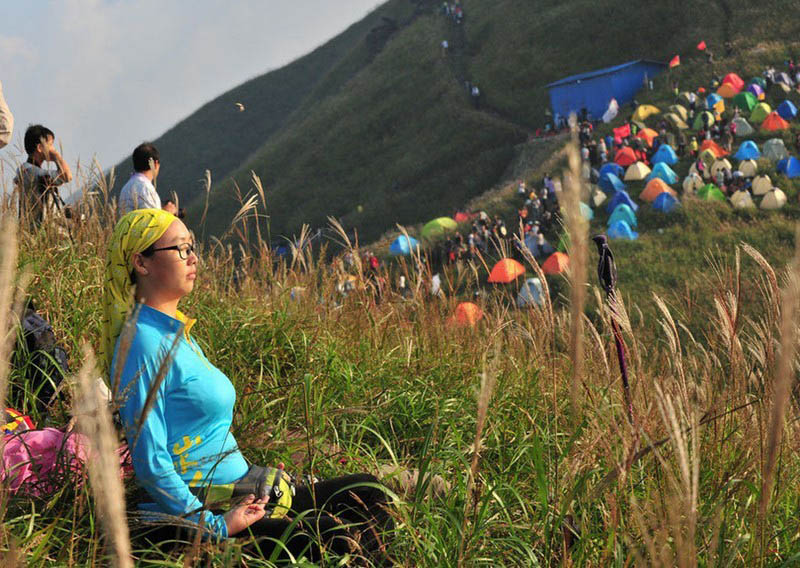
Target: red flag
[(701, 46), (622, 131), (675, 61)]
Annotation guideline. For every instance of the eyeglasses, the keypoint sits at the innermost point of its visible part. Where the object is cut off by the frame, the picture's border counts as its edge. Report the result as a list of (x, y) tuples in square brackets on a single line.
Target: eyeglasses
[(184, 250)]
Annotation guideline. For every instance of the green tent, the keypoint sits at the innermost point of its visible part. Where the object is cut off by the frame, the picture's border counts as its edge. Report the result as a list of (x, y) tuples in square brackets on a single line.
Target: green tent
[(703, 120), (760, 113), (745, 101), (710, 192), (623, 212), (438, 227)]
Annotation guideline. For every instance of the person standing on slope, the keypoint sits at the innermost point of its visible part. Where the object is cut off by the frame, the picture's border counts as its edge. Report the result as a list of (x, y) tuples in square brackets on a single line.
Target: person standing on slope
[(139, 192)]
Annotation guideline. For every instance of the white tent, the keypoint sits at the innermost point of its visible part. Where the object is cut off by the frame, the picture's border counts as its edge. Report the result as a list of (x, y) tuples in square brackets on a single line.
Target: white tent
[(748, 168), (722, 164), (743, 127), (742, 200), (637, 171), (693, 170), (775, 199), (598, 197), (775, 150), (530, 294), (762, 185), (692, 183)]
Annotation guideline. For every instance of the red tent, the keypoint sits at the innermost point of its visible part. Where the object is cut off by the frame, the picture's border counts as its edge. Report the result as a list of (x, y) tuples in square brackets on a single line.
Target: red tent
[(467, 314), (774, 122), (462, 217), (718, 150), (505, 271), (734, 81), (622, 131), (556, 263), (625, 157)]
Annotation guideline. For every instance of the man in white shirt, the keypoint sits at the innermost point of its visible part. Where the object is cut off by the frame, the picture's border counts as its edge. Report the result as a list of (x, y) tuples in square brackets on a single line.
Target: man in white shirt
[(139, 192), (6, 120), (38, 187)]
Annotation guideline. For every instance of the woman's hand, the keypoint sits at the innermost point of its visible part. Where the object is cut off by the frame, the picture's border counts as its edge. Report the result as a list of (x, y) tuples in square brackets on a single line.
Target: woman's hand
[(241, 517)]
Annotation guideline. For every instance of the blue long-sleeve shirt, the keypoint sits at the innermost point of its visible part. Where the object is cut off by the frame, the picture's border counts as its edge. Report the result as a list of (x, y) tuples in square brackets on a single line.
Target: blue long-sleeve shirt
[(185, 439)]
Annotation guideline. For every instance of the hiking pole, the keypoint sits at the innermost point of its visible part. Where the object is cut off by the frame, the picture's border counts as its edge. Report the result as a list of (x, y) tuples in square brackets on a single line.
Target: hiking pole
[(607, 274)]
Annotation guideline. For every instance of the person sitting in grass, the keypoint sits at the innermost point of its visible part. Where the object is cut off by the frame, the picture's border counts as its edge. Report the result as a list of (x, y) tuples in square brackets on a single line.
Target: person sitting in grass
[(176, 409)]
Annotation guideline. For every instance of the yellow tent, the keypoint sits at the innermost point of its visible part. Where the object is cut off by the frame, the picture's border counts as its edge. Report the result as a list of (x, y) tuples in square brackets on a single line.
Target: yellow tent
[(681, 111), (637, 172), (644, 111), (721, 165), (762, 185), (676, 121), (775, 199), (742, 200), (598, 196), (709, 157), (748, 168)]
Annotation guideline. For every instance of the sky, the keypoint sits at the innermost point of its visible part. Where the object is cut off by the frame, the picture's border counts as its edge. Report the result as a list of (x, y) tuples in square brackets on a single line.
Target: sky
[(105, 75)]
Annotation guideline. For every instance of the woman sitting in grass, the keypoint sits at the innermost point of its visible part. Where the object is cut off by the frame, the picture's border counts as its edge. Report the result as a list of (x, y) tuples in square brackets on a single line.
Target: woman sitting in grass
[(177, 408)]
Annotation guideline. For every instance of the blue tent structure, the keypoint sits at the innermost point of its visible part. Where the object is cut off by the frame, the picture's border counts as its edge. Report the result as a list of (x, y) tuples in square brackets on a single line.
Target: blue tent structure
[(586, 211), (663, 172), (621, 230), (621, 198), (530, 294), (748, 151), (666, 202), (790, 167), (787, 110), (403, 246), (612, 168), (610, 183), (623, 212), (665, 154), (594, 90), (712, 99)]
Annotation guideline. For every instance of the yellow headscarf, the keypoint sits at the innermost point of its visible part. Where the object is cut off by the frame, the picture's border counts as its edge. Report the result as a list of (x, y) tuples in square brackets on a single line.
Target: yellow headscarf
[(133, 233)]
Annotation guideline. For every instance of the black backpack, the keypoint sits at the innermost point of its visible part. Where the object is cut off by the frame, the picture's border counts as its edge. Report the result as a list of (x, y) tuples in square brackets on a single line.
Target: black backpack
[(41, 363)]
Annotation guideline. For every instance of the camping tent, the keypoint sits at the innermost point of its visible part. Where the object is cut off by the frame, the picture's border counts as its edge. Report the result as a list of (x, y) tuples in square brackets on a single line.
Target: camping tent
[(637, 171), (438, 227), (760, 113), (727, 90), (676, 121), (783, 87), (762, 185), (774, 122), (685, 98), (760, 81), (403, 246), (618, 199), (715, 102), (680, 110), (530, 294), (742, 200), (708, 157), (790, 167), (745, 101), (787, 110), (734, 81), (648, 135), (692, 183), (621, 230), (654, 188), (662, 171), (586, 211), (775, 199), (703, 120), (467, 314), (722, 164), (743, 127), (665, 154), (612, 168), (643, 112), (748, 151), (666, 202), (710, 192), (623, 213), (556, 263), (610, 183), (625, 156), (784, 78), (757, 90), (775, 149), (748, 168), (598, 197), (718, 150), (506, 270)]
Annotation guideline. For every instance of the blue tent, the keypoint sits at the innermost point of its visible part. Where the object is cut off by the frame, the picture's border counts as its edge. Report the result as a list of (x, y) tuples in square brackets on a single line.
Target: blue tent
[(621, 198), (665, 154), (621, 230), (403, 246), (610, 183), (748, 151), (586, 211), (790, 167), (712, 99), (787, 110), (663, 172), (623, 213), (594, 90), (666, 202), (612, 168)]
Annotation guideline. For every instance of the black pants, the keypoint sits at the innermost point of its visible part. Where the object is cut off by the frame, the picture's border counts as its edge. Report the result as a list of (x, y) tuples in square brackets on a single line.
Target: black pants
[(344, 515)]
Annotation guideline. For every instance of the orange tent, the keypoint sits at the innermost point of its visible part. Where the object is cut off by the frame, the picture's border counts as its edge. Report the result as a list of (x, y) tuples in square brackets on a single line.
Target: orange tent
[(625, 157), (505, 271), (715, 148), (654, 188), (467, 314), (774, 122), (727, 91), (556, 263), (648, 135), (734, 81)]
